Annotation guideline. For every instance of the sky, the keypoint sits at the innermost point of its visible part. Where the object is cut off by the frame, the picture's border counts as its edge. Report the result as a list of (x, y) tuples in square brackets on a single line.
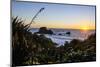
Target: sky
[(65, 16)]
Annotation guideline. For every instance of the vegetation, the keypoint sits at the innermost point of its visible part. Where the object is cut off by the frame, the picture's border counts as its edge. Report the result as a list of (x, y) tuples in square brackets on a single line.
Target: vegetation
[(29, 49)]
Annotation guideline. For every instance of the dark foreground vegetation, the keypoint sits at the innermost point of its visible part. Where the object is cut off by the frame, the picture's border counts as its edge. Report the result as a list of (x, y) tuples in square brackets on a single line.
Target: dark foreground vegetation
[(30, 49)]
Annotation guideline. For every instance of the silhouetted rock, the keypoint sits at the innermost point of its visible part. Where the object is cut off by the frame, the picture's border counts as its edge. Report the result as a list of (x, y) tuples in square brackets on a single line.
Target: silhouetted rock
[(44, 30), (50, 31), (59, 34), (68, 33)]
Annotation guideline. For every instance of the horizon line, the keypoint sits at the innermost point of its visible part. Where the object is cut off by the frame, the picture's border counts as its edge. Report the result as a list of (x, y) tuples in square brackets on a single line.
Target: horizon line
[(64, 28)]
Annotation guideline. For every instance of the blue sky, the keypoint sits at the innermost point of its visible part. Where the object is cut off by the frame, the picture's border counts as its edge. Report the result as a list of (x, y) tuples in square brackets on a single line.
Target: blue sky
[(55, 15)]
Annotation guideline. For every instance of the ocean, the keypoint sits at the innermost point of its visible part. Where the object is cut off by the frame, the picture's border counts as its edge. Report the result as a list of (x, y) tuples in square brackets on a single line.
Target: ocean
[(60, 36)]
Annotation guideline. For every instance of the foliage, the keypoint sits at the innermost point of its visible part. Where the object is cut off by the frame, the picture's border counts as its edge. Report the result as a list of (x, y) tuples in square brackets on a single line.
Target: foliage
[(29, 49)]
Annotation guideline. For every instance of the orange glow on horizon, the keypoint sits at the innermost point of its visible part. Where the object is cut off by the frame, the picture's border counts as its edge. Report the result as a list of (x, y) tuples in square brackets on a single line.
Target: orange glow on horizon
[(85, 28), (81, 26)]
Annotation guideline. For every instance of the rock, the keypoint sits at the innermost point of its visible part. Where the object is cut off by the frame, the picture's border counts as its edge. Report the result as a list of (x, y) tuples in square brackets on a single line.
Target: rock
[(50, 32), (44, 30), (59, 34), (68, 33)]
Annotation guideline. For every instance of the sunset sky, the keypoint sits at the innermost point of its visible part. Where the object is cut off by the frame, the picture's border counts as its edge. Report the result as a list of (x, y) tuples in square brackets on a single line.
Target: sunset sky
[(56, 15)]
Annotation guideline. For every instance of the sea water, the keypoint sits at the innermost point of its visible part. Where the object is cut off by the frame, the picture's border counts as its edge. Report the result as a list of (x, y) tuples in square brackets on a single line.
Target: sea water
[(60, 36)]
